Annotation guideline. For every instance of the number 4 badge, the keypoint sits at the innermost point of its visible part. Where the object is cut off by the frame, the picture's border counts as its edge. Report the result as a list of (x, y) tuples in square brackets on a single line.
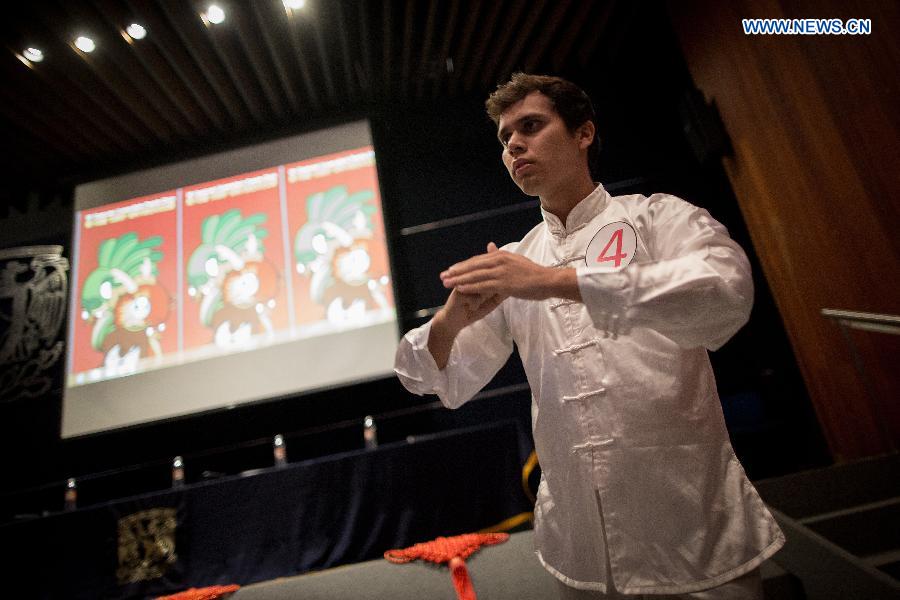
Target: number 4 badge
[(612, 248)]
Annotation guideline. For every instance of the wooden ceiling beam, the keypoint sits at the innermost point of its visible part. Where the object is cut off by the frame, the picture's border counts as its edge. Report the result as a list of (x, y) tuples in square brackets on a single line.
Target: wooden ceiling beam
[(245, 85), (92, 98), (125, 74), (295, 26), (317, 23), (70, 68), (71, 108), (366, 75), (444, 53), (461, 54), (407, 47), (342, 25), (235, 48), (387, 47), (276, 52), (516, 28), (112, 85), (187, 84), (156, 67), (524, 38), (486, 35), (567, 39), (190, 78), (537, 51), (248, 34), (426, 64), (595, 31), (193, 35)]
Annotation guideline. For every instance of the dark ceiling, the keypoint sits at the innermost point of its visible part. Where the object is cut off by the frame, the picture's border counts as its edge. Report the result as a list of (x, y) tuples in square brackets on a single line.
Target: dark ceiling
[(188, 87)]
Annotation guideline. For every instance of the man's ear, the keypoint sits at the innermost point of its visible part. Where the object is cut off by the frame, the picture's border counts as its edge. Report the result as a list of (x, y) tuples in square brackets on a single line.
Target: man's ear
[(585, 134)]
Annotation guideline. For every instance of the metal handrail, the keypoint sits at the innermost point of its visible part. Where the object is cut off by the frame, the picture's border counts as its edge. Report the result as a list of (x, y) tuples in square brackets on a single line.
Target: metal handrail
[(864, 321)]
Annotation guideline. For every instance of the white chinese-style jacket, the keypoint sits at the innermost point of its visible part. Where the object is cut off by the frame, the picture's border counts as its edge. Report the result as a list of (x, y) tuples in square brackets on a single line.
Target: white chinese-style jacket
[(638, 473)]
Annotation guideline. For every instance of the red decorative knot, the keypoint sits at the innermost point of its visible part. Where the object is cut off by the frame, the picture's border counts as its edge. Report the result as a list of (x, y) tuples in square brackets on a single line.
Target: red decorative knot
[(442, 549), (213, 592), (453, 550)]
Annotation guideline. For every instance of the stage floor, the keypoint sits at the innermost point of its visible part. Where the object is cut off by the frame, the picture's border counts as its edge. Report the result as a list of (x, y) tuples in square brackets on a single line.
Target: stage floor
[(509, 571)]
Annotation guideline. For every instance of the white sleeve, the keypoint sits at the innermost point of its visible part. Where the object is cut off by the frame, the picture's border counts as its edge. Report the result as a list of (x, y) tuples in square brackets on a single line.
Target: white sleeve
[(697, 291), (478, 352)]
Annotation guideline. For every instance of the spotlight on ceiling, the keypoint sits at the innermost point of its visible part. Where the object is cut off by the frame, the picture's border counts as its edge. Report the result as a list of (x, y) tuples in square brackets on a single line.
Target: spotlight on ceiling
[(136, 31), (85, 44), (214, 14), (33, 54), (294, 4)]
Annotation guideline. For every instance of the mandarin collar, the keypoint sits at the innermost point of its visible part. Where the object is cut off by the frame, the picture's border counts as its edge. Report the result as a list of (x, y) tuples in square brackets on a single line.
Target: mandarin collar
[(580, 215)]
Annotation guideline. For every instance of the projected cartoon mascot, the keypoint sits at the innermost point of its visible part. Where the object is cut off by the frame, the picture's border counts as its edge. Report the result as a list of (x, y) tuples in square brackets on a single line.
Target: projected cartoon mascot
[(124, 302), (333, 249), (235, 284)]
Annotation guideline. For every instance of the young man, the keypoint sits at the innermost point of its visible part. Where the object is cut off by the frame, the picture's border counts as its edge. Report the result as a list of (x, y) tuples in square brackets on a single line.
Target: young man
[(612, 303)]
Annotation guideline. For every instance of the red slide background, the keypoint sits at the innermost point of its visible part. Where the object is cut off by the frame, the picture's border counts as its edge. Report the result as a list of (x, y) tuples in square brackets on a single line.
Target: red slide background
[(355, 180), (163, 224), (265, 201)]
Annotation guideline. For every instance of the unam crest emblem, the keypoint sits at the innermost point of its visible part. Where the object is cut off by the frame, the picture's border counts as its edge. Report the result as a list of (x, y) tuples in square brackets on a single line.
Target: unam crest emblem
[(146, 544)]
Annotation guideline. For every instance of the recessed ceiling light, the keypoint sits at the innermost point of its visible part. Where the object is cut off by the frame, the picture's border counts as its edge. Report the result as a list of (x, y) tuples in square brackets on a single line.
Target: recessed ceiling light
[(136, 31), (294, 4), (33, 54), (214, 14), (85, 44)]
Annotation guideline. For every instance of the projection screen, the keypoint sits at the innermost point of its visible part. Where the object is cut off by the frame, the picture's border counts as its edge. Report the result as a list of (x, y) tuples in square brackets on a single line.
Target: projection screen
[(238, 277)]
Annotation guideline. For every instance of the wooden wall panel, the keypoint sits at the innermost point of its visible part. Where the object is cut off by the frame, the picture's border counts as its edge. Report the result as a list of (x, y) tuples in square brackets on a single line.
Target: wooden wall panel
[(815, 128)]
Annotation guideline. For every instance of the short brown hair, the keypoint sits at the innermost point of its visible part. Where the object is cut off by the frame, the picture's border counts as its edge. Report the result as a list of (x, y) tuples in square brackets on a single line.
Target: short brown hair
[(569, 100)]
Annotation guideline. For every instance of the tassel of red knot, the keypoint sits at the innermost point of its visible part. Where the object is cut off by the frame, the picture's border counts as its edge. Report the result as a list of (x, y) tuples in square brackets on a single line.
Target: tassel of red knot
[(454, 550)]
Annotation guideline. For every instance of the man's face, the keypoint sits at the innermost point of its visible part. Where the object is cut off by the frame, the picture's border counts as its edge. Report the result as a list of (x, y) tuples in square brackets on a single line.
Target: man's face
[(539, 152)]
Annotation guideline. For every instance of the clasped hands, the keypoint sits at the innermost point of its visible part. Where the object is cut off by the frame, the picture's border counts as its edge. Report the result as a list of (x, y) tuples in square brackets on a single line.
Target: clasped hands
[(482, 282)]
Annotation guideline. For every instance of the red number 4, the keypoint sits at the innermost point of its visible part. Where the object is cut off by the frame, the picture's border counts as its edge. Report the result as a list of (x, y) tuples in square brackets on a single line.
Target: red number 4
[(619, 255)]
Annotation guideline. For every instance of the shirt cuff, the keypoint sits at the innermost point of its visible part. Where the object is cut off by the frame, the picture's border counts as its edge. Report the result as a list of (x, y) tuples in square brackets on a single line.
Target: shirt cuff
[(607, 298), (415, 366)]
